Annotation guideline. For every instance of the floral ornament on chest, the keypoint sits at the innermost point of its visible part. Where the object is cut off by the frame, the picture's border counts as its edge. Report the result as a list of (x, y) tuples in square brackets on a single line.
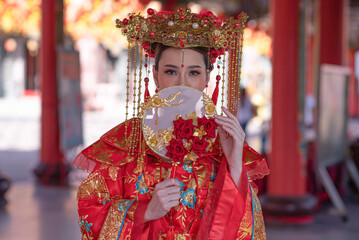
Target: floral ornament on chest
[(178, 124)]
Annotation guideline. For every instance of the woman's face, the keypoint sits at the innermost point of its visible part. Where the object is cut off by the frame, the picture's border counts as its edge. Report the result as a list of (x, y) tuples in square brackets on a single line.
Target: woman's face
[(170, 72)]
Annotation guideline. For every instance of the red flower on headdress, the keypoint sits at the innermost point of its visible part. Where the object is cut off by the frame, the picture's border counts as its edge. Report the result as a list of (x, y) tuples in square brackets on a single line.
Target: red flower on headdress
[(209, 14), (147, 47), (216, 53), (164, 13)]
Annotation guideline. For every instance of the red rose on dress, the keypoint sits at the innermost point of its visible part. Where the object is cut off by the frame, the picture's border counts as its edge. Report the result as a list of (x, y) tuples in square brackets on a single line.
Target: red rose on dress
[(209, 126), (183, 128), (199, 145), (176, 150)]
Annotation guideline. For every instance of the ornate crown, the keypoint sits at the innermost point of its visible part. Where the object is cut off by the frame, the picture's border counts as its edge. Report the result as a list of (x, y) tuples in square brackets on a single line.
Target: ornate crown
[(183, 29)]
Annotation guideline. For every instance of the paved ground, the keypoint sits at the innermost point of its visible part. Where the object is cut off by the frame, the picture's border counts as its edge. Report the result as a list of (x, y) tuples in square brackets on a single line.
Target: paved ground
[(41, 213)]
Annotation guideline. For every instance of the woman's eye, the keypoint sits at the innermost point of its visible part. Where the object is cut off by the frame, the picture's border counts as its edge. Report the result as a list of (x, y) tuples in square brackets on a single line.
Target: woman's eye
[(194, 73), (171, 72)]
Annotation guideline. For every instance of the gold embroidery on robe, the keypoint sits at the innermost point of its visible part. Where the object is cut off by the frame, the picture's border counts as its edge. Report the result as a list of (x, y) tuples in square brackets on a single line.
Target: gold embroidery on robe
[(178, 236), (201, 172), (246, 227), (94, 185), (259, 227), (114, 220), (112, 170), (101, 155)]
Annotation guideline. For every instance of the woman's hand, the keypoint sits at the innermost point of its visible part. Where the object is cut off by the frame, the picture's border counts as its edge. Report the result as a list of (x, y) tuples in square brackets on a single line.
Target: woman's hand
[(232, 136), (165, 196)]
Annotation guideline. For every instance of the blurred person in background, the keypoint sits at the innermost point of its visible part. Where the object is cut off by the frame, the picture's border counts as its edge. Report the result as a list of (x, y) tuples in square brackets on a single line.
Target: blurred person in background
[(246, 110)]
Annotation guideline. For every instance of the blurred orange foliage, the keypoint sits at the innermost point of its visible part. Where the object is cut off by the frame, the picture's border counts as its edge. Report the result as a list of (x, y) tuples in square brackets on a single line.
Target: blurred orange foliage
[(82, 18), (258, 39), (20, 17)]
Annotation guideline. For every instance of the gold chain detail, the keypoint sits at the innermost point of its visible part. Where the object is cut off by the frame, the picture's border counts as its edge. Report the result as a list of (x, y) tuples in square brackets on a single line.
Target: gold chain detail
[(133, 139), (139, 81), (235, 79), (127, 89), (231, 78), (240, 69), (223, 81), (222, 101)]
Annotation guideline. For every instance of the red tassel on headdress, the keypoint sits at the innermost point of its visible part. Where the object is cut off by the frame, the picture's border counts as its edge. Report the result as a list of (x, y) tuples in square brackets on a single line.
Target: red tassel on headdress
[(216, 90), (147, 93)]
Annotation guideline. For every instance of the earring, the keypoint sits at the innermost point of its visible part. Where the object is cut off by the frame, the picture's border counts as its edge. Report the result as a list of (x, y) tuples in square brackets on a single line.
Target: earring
[(147, 92), (218, 79)]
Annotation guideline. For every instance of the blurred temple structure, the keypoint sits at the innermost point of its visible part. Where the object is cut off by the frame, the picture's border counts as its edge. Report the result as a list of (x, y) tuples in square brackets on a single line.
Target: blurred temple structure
[(63, 79)]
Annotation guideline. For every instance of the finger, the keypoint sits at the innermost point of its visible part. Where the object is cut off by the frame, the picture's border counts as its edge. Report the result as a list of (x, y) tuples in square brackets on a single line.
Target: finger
[(228, 113), (174, 203), (167, 183), (231, 128), (234, 133), (172, 197), (167, 191), (167, 207), (235, 127), (222, 133), (225, 133), (227, 119), (231, 115)]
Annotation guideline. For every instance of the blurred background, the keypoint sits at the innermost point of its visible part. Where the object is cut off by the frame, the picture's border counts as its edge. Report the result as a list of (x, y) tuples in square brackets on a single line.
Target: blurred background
[(62, 85)]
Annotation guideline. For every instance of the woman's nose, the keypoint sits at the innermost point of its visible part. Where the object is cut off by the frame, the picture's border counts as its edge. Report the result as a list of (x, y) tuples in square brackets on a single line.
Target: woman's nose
[(182, 80)]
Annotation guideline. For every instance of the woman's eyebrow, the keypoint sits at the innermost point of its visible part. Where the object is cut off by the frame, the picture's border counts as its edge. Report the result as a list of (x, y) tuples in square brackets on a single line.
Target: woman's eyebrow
[(172, 66), (194, 66)]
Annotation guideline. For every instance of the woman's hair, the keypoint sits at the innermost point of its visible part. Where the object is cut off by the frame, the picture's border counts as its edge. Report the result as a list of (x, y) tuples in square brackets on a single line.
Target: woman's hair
[(202, 50)]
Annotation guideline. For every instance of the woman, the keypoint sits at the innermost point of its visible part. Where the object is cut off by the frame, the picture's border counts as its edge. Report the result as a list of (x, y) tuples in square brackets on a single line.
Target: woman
[(210, 198)]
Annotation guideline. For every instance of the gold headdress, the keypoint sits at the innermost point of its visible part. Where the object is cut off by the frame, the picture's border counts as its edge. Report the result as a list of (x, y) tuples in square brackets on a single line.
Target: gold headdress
[(183, 29)]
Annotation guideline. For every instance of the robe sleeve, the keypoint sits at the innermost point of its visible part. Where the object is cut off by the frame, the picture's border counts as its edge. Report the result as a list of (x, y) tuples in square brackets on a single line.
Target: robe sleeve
[(228, 213), (103, 211)]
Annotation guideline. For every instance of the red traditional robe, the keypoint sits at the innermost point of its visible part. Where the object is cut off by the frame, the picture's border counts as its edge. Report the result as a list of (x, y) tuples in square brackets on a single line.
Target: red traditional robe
[(113, 199)]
